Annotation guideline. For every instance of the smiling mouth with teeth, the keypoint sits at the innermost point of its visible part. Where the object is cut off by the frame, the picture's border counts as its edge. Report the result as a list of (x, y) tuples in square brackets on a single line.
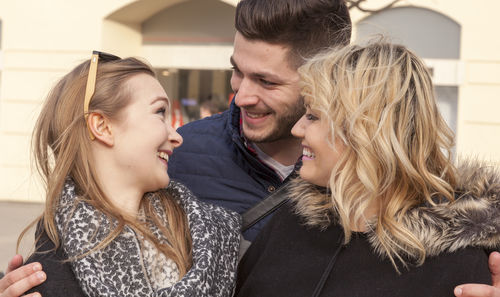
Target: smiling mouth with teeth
[(308, 154), (256, 115), (162, 155)]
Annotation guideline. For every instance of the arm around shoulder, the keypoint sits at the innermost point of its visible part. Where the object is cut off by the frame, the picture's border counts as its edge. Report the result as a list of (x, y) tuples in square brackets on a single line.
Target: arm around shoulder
[(481, 290), (61, 280), (19, 278)]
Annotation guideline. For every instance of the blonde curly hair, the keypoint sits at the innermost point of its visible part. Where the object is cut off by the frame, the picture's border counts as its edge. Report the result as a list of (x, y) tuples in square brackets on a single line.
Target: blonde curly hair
[(379, 100)]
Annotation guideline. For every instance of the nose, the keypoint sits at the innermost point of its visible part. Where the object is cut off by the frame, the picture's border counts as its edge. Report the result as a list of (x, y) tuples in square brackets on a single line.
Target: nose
[(299, 127), (174, 138), (246, 91)]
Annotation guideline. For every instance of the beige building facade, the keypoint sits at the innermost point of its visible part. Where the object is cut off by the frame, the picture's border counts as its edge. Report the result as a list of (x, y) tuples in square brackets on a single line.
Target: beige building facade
[(189, 43)]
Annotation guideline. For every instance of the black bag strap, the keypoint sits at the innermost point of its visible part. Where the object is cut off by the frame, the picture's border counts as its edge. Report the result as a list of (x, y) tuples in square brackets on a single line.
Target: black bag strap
[(328, 270), (264, 208)]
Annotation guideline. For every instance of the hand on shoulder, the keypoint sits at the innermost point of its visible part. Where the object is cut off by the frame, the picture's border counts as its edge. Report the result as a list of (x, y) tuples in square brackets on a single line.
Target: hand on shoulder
[(480, 290), (19, 279)]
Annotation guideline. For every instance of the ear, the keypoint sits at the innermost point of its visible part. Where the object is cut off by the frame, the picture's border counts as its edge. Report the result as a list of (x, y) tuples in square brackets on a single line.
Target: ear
[(100, 127)]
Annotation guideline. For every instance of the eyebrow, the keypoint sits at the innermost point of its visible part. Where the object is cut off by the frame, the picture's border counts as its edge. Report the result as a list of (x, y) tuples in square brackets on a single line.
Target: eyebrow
[(165, 99), (263, 74)]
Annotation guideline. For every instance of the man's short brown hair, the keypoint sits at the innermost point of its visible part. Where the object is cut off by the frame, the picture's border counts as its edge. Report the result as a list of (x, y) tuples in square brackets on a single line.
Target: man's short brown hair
[(305, 26)]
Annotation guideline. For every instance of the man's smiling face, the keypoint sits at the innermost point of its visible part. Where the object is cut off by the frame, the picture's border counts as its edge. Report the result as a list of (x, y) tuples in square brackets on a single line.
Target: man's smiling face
[(267, 89)]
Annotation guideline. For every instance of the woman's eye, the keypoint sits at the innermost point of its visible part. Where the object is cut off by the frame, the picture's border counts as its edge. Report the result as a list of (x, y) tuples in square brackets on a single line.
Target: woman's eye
[(311, 117), (161, 111)]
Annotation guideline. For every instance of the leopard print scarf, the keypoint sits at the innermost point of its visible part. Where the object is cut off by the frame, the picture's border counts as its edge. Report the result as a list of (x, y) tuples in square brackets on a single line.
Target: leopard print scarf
[(124, 269)]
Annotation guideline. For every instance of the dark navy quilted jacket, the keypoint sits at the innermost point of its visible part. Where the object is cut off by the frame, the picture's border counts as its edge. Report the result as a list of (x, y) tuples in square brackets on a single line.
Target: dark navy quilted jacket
[(215, 165)]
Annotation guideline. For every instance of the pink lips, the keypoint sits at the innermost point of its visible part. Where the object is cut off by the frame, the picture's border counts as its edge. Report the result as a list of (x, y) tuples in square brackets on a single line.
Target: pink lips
[(306, 158)]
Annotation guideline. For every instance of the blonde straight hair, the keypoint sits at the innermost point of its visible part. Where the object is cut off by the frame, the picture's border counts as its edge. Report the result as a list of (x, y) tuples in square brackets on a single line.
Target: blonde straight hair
[(61, 149), (379, 100)]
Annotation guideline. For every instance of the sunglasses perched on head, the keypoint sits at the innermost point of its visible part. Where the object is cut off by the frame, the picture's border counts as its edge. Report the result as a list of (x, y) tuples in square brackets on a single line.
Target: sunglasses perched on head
[(90, 88)]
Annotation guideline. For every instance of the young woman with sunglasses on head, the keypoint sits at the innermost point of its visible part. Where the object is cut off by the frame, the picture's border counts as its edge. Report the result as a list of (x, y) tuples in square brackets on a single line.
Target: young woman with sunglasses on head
[(102, 144), (379, 208)]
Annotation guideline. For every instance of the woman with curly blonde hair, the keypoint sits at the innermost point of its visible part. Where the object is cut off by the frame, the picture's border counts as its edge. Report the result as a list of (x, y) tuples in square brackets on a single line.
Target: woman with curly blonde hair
[(379, 208)]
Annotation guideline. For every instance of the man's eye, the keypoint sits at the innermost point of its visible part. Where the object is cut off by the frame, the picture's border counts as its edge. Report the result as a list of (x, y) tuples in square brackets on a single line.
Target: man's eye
[(235, 70), (266, 82)]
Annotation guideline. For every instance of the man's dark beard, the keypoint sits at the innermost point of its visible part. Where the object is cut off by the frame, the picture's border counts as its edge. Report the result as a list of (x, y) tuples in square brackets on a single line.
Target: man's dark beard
[(284, 128)]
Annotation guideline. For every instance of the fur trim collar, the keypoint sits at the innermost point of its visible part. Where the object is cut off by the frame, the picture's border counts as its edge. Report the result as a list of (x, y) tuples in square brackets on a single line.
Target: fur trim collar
[(473, 219)]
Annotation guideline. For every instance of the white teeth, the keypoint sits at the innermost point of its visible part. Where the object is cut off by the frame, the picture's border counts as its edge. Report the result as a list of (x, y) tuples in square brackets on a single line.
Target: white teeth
[(306, 152), (255, 115), (162, 155)]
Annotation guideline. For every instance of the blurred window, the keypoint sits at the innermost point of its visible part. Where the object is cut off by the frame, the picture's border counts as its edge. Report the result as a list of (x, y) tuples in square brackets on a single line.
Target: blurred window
[(196, 93)]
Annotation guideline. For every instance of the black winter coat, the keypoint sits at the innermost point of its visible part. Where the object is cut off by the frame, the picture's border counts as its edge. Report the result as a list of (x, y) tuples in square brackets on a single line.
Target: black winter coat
[(290, 258)]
